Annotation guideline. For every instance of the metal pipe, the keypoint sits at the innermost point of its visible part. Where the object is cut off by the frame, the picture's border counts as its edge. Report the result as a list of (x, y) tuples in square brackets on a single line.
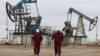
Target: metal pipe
[(79, 13)]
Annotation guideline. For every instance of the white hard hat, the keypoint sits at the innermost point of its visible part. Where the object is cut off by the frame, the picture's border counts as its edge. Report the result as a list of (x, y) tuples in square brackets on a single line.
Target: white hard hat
[(58, 29), (37, 30)]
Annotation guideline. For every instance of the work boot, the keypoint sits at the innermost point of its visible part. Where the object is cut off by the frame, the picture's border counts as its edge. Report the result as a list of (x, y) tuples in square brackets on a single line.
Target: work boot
[(59, 55), (37, 55), (55, 55)]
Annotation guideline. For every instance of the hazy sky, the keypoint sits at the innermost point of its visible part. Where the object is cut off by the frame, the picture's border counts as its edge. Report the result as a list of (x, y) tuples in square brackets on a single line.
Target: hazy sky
[(54, 13)]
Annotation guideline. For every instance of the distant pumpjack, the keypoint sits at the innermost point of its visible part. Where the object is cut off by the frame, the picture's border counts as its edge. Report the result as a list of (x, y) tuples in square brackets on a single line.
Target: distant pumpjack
[(80, 30), (21, 15)]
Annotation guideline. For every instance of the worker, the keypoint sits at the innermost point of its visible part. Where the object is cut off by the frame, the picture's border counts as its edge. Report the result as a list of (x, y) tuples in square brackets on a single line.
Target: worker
[(58, 38), (37, 38)]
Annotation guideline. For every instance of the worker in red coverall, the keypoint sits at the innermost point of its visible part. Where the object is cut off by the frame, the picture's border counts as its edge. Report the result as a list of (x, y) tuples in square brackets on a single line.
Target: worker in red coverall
[(37, 38), (58, 38)]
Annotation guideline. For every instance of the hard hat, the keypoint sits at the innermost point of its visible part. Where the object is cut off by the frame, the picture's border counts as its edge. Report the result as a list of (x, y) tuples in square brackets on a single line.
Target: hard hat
[(58, 29), (37, 30)]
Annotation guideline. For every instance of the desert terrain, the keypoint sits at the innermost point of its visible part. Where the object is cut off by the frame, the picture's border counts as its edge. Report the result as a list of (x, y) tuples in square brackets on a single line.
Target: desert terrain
[(27, 50)]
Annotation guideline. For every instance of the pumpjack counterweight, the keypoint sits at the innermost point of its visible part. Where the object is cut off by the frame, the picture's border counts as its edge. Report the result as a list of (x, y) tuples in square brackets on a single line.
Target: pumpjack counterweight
[(92, 21), (79, 29), (20, 14)]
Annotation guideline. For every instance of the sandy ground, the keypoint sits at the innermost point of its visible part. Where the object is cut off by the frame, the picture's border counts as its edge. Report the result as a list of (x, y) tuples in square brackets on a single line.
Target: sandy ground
[(19, 50)]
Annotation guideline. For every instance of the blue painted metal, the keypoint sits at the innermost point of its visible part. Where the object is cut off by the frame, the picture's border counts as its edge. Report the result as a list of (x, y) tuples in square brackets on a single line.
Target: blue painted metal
[(93, 21), (19, 5), (79, 13), (29, 28)]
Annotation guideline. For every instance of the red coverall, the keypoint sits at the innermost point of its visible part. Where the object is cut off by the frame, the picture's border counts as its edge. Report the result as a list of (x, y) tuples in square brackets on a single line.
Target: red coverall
[(37, 38), (58, 38)]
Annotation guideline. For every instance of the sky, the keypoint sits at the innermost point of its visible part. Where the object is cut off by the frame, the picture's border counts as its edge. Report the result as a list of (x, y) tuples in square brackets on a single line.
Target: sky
[(54, 13)]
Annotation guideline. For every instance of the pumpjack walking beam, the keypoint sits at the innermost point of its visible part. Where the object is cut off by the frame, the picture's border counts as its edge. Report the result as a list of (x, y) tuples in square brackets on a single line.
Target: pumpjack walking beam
[(93, 21), (80, 25), (21, 17), (80, 30)]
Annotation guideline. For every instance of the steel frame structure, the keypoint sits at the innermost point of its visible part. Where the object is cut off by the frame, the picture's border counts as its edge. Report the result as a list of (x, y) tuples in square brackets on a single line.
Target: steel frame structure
[(21, 16), (80, 29)]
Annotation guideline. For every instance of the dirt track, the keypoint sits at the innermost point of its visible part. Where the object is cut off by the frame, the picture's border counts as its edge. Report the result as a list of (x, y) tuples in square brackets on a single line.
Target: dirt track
[(18, 50)]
